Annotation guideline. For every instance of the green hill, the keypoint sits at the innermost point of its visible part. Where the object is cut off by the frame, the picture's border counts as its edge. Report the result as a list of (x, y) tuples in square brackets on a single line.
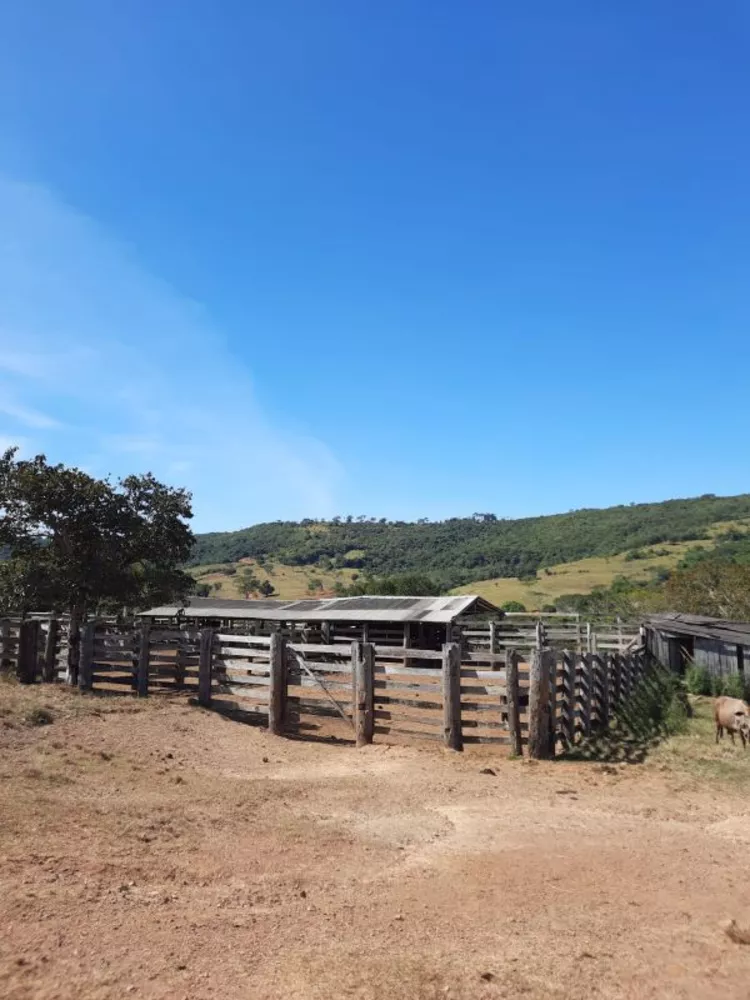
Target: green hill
[(463, 550)]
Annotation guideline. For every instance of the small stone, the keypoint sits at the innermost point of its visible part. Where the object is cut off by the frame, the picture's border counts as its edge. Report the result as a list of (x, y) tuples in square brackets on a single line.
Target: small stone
[(265, 760), (487, 976), (170, 756), (182, 966), (399, 916), (303, 894), (487, 770)]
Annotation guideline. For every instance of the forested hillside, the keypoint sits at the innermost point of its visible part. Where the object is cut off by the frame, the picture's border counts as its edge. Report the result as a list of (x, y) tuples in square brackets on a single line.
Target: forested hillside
[(461, 550)]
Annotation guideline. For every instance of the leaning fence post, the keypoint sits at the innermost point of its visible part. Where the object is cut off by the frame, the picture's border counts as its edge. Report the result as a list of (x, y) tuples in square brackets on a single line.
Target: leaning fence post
[(50, 650), (141, 677), (205, 665), (452, 735), (28, 638), (363, 662), (86, 659), (540, 745), (277, 689), (512, 698)]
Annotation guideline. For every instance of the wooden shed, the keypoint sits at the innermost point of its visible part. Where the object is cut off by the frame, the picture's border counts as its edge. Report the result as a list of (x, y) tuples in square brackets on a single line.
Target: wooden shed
[(676, 640), (419, 622)]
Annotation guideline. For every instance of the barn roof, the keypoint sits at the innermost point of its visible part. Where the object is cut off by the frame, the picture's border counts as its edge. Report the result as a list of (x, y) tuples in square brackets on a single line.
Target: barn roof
[(720, 629), (332, 609)]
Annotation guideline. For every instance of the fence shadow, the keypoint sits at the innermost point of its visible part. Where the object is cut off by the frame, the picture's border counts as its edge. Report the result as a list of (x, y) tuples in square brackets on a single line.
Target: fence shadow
[(656, 709)]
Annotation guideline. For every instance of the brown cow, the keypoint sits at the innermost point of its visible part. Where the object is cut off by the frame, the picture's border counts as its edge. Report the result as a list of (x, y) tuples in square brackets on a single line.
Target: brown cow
[(732, 714)]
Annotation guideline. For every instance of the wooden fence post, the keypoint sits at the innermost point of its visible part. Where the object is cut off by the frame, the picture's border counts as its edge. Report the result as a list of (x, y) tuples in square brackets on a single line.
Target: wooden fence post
[(552, 699), (512, 697), (74, 649), (363, 664), (539, 706), (493, 638), (587, 684), (28, 639), (179, 665), (50, 651), (86, 659), (452, 735), (141, 677), (277, 689), (5, 659), (569, 679), (205, 665), (603, 662)]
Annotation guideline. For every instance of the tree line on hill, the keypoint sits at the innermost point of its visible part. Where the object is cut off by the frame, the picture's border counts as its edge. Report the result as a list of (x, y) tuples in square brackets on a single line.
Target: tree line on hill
[(462, 550), (71, 542)]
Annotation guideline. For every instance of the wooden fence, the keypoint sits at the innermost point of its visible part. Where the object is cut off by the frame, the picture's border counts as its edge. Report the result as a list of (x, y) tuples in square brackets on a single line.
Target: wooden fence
[(520, 631), (465, 693)]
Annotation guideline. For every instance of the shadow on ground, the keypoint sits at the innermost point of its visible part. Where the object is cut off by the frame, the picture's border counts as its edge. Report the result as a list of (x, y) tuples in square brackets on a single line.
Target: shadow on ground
[(657, 708)]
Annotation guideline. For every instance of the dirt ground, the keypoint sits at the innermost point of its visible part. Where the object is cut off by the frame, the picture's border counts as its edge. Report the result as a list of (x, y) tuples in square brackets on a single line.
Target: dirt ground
[(159, 850)]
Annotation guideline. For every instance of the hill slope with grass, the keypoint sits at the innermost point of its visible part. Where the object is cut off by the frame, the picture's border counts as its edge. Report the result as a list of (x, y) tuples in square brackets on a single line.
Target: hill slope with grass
[(533, 560)]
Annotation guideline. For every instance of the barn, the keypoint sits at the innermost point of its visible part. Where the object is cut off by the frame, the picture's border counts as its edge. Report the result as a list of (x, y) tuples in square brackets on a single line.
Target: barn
[(677, 640), (414, 622)]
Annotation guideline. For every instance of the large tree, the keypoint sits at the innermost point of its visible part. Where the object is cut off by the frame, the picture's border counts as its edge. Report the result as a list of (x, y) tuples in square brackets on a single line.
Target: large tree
[(713, 588), (87, 545)]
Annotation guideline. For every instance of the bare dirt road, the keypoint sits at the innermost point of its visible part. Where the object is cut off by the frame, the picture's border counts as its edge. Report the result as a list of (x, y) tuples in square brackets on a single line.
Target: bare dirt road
[(157, 850)]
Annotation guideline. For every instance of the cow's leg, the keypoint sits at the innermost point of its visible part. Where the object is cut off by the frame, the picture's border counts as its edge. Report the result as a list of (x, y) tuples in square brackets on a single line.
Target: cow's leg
[(719, 732), (744, 741), (731, 733)]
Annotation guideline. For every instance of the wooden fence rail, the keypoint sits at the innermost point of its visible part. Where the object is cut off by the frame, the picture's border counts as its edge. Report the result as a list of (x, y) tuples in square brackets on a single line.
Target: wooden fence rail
[(538, 698)]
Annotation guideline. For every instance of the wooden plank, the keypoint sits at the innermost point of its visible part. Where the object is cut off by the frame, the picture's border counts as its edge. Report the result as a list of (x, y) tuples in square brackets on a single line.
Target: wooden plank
[(242, 652), (363, 658), (390, 685), (481, 657), (249, 679), (452, 696), (382, 668), (327, 668), (408, 733), (513, 704), (277, 684), (249, 640), (311, 647), (401, 653)]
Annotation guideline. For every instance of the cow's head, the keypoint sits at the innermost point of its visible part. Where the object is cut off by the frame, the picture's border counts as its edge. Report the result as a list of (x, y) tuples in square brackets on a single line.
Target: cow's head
[(743, 724)]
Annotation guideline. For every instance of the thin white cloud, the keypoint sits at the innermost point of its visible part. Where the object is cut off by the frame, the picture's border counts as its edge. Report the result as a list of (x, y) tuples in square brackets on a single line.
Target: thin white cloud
[(26, 415), (138, 374)]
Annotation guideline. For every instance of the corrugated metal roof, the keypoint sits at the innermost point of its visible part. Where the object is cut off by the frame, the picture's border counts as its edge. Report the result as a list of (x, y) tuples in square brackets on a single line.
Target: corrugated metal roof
[(333, 609), (676, 623)]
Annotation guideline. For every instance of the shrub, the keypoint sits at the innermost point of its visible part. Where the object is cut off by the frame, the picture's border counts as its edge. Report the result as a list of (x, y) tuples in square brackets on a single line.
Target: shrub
[(698, 680), (734, 686), (717, 685), (512, 606)]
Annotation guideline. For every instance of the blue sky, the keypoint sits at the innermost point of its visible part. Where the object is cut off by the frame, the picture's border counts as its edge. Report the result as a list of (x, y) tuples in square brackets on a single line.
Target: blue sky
[(405, 259)]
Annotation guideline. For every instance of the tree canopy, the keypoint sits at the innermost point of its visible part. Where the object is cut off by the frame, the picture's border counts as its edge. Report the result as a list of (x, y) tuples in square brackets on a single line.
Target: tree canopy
[(88, 545)]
